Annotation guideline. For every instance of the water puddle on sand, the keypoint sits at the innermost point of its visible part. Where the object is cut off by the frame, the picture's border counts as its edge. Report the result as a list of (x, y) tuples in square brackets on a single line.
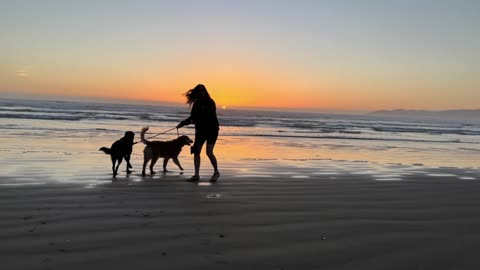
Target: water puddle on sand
[(283, 173), (467, 178), (23, 184), (204, 184), (213, 196), (300, 176), (91, 186), (441, 174), (254, 175), (325, 173), (389, 179), (369, 172), (387, 176)]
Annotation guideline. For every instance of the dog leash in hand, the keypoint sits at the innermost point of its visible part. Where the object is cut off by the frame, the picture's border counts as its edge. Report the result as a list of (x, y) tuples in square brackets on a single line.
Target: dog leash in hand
[(178, 134)]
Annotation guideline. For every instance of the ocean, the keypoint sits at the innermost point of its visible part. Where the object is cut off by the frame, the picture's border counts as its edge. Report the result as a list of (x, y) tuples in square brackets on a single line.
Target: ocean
[(64, 136)]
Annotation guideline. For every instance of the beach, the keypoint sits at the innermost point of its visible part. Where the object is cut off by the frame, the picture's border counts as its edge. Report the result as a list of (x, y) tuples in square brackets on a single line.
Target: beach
[(273, 216), (291, 202)]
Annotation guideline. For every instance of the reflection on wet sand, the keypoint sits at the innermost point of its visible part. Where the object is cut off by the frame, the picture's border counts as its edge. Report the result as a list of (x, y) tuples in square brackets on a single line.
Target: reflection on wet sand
[(78, 160)]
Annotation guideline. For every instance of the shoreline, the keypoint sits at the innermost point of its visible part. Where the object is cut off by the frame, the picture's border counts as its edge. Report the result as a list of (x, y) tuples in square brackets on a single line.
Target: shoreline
[(96, 171)]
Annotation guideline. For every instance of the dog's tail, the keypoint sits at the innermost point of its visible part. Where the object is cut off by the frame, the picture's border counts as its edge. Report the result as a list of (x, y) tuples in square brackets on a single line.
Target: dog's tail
[(106, 150), (142, 135)]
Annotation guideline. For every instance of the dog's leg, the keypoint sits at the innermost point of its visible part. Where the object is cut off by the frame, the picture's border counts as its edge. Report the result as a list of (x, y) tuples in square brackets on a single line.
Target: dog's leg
[(145, 161), (118, 165), (127, 158), (176, 161), (154, 160), (113, 166), (147, 154), (165, 162)]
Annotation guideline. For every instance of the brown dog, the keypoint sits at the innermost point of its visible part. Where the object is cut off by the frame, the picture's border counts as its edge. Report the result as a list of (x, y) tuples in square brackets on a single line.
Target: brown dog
[(119, 150), (157, 149)]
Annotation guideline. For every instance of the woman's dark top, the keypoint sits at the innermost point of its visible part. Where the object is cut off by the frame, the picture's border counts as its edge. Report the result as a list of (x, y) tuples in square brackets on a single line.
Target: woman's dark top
[(204, 116)]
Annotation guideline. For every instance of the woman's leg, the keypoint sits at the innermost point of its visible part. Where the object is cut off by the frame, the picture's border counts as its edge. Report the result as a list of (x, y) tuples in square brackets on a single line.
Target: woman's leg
[(196, 163), (197, 149), (212, 157), (213, 160)]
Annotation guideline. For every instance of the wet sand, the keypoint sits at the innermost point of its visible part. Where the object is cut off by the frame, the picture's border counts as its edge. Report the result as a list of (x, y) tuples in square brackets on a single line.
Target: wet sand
[(260, 215)]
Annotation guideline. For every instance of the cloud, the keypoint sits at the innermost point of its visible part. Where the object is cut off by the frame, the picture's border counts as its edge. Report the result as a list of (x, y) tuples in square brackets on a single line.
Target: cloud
[(23, 73)]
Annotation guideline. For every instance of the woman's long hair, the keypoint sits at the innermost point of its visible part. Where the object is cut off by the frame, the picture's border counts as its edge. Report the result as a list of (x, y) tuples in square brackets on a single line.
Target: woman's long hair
[(196, 93)]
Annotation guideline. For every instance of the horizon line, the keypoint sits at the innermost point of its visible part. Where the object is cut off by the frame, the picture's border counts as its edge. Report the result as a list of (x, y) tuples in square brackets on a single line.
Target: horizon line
[(17, 96), (168, 103)]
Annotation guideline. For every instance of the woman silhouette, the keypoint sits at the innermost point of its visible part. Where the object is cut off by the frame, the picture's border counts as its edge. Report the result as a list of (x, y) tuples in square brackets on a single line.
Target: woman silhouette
[(204, 116)]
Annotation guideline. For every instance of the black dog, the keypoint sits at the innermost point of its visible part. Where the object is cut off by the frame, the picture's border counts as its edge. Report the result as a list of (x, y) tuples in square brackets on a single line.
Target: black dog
[(121, 149)]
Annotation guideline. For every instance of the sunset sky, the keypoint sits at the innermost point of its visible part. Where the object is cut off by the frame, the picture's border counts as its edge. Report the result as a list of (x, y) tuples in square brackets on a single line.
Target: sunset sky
[(334, 55)]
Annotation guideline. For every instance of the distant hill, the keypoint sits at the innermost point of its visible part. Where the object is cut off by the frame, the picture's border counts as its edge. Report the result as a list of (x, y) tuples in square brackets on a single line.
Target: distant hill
[(470, 115)]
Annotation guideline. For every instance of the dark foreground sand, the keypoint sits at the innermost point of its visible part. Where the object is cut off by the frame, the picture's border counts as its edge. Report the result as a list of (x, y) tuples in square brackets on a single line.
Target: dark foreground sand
[(348, 221)]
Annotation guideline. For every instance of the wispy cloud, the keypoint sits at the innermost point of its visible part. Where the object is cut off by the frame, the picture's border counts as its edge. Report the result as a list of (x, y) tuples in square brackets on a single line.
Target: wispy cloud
[(22, 72)]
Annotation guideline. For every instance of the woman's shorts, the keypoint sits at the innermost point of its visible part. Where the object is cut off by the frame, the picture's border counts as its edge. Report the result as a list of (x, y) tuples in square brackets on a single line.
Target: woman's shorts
[(201, 137)]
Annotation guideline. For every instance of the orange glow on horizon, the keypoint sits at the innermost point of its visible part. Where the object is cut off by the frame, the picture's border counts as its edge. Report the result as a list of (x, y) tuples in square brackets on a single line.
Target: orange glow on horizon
[(231, 86)]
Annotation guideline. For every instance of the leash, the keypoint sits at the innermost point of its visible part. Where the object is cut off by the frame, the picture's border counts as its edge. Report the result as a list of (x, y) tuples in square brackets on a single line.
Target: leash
[(162, 133), (178, 134)]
